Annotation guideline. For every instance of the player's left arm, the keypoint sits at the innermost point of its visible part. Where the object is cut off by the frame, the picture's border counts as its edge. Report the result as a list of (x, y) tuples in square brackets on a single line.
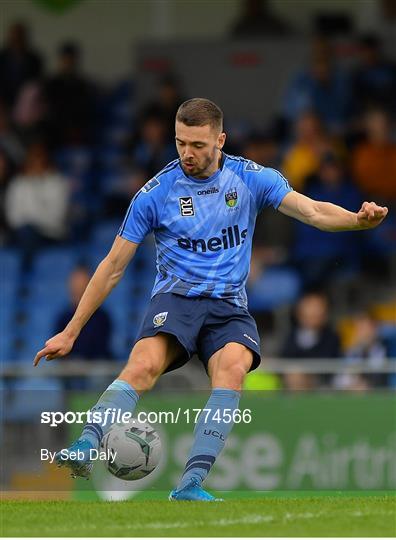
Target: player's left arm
[(330, 217)]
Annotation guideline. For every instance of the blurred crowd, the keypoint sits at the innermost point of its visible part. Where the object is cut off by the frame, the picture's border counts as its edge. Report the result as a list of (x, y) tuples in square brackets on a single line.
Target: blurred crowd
[(73, 153)]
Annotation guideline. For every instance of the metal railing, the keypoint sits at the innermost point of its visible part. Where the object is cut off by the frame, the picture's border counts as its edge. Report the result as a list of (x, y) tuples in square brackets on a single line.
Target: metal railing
[(104, 368)]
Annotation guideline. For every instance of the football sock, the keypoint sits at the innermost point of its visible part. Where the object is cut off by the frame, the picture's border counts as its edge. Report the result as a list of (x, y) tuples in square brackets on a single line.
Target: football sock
[(210, 434), (119, 396)]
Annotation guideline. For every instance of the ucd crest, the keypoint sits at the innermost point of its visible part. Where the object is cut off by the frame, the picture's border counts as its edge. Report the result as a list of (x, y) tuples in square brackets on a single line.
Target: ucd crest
[(231, 198), (159, 319)]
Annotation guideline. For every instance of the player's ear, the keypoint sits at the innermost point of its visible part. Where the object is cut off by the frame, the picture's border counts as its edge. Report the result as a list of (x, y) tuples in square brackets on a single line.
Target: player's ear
[(221, 140)]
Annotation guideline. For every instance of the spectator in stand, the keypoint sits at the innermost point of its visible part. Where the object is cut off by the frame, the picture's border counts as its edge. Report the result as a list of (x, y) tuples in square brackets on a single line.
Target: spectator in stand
[(374, 81), (257, 20), (322, 87), (10, 143), (263, 148), (165, 106), (94, 341), (311, 143), (153, 150), (374, 160), (29, 114), (119, 198), (71, 99), (318, 254), (368, 348), (311, 337), (19, 63), (273, 229), (37, 203), (6, 171)]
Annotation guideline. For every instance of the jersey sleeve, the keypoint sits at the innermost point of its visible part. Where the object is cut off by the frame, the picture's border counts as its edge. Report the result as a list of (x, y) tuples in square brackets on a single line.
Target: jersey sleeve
[(268, 186), (142, 215)]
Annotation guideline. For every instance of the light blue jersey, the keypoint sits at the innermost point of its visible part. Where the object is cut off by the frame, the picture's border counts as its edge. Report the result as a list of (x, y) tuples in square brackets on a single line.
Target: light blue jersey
[(203, 228)]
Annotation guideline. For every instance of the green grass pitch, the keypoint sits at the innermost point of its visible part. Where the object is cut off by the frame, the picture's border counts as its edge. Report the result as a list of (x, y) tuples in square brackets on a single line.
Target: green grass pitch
[(267, 516)]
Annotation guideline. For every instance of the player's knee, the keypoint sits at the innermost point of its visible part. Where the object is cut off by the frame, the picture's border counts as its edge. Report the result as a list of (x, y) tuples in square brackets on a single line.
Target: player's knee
[(234, 372), (231, 379), (232, 367), (237, 358), (142, 372)]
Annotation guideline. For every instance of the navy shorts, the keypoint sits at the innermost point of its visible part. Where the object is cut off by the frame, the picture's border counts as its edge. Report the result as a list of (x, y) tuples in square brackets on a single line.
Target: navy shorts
[(201, 325)]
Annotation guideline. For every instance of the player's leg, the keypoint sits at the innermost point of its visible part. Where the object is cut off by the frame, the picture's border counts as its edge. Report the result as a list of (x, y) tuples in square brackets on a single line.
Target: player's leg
[(229, 348), (227, 368), (149, 358)]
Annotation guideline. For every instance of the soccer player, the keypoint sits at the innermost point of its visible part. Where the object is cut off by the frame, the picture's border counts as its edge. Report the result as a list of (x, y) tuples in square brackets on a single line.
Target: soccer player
[(202, 209)]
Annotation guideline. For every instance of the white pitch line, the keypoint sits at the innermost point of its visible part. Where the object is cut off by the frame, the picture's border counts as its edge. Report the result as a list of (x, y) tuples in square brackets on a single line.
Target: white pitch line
[(304, 515), (246, 520)]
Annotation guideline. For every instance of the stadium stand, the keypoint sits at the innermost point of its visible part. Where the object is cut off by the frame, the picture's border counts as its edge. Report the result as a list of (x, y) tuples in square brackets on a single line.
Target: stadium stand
[(98, 168)]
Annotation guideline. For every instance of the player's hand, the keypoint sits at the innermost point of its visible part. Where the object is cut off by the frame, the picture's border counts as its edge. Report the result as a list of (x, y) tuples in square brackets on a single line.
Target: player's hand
[(56, 347), (370, 215)]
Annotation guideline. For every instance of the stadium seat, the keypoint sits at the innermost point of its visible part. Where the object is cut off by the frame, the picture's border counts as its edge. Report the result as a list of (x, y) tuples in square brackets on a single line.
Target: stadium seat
[(110, 157), (42, 313), (116, 134), (56, 263), (10, 264), (50, 291), (382, 239), (118, 103), (121, 109), (37, 325), (32, 395), (122, 341), (274, 288), (388, 333), (118, 308), (8, 332), (9, 302), (121, 296), (28, 348), (123, 90), (143, 265), (111, 180), (103, 235), (5, 345), (74, 161)]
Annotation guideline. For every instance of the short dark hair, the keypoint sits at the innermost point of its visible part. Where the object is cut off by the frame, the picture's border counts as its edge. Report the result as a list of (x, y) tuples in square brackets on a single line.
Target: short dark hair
[(200, 112)]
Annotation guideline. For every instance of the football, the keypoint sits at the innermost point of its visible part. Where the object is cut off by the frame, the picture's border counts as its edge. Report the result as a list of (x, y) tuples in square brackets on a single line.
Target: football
[(133, 450)]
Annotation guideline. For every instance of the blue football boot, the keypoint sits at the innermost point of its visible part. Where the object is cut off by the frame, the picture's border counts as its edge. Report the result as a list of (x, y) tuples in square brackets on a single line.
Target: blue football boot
[(77, 458), (192, 492)]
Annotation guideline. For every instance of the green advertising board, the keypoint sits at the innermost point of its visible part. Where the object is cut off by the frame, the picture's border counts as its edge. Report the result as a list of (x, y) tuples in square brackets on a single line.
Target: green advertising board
[(281, 442)]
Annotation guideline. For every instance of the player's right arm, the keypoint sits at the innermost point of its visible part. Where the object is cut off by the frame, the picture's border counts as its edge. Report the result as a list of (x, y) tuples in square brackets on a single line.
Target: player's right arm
[(141, 219), (107, 275)]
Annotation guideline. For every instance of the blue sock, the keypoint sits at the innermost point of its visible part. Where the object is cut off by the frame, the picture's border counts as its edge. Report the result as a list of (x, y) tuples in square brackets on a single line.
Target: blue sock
[(210, 434), (120, 396)]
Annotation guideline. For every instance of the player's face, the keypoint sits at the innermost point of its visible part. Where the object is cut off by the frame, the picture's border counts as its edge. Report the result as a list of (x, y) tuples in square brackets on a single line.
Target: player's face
[(199, 149)]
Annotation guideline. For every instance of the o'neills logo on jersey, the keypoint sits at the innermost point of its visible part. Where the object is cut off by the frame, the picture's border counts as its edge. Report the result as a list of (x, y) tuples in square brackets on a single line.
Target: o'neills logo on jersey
[(209, 191), (230, 237)]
